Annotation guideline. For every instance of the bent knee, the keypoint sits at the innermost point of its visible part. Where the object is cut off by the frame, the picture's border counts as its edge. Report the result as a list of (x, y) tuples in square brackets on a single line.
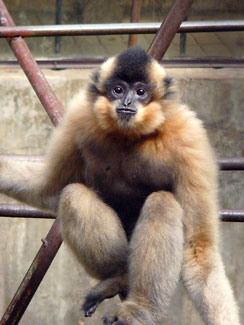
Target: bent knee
[(164, 202)]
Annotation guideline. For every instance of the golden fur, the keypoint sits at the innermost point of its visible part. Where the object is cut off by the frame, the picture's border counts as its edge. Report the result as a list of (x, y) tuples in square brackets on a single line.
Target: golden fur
[(96, 161)]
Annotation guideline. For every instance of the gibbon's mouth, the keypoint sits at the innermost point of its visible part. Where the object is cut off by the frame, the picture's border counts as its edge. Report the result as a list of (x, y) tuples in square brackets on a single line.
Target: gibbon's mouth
[(125, 110)]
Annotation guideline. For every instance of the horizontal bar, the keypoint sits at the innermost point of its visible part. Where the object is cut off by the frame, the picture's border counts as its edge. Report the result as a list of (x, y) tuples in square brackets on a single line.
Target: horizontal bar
[(232, 215), (118, 29), (235, 163), (78, 63), (231, 163), (22, 211)]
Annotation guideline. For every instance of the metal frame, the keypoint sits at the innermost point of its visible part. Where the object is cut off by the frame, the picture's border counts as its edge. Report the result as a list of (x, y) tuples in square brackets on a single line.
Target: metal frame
[(119, 29), (87, 63), (161, 42)]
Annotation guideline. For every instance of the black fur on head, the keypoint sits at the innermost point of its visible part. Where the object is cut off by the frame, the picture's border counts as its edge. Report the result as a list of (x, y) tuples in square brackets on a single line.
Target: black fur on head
[(131, 65)]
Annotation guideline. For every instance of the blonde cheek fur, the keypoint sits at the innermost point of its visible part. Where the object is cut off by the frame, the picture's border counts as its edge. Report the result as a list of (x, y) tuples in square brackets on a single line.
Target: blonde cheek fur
[(146, 121), (149, 117), (105, 113)]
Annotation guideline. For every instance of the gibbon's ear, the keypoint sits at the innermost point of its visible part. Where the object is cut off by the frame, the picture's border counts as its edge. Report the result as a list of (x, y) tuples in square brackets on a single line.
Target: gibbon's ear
[(163, 86), (96, 86)]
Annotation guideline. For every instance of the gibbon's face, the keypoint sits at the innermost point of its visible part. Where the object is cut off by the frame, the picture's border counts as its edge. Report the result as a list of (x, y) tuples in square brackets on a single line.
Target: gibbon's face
[(127, 97), (129, 93)]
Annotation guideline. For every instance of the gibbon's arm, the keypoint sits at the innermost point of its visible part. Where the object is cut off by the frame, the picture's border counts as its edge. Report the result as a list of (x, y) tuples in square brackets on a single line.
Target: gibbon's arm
[(40, 183), (203, 271)]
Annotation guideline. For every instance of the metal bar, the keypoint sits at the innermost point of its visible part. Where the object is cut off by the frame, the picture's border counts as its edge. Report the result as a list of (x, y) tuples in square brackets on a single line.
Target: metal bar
[(59, 7), (232, 215), (169, 28), (91, 63), (33, 277), (118, 29), (48, 99), (22, 211), (135, 16), (183, 39), (53, 240), (231, 163), (234, 163)]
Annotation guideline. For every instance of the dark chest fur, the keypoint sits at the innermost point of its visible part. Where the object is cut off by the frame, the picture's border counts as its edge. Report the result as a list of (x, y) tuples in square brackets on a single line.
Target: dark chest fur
[(122, 178)]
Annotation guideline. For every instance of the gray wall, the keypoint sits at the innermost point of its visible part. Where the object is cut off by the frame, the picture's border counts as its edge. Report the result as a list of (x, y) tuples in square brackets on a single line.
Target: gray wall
[(217, 96)]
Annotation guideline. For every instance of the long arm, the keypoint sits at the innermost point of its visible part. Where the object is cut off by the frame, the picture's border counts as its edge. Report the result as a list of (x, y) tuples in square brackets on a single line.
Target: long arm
[(203, 271), (40, 183)]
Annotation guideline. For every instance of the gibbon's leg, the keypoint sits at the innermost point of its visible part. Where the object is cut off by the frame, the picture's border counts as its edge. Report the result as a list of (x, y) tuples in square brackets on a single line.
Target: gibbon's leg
[(155, 262), (205, 280), (93, 231)]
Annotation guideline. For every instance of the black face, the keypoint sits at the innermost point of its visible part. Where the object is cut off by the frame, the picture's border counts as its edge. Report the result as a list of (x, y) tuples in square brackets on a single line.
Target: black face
[(128, 96)]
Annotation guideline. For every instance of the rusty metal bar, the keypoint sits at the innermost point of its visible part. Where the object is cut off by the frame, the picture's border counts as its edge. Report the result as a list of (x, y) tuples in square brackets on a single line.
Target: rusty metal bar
[(91, 63), (135, 16), (33, 277), (53, 240), (235, 163), (169, 28), (48, 99), (22, 211), (118, 29)]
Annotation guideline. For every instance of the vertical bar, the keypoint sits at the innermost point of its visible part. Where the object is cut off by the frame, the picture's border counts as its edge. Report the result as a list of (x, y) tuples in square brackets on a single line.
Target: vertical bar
[(135, 16), (169, 28), (58, 21), (53, 240), (48, 99), (183, 42)]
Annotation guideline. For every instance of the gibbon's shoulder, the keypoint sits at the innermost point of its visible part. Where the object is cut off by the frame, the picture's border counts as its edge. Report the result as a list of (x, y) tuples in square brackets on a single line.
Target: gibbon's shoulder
[(182, 123), (186, 138)]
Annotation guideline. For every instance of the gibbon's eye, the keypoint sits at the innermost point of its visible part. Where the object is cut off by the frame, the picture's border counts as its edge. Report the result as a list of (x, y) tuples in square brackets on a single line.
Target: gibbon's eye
[(140, 92), (118, 90)]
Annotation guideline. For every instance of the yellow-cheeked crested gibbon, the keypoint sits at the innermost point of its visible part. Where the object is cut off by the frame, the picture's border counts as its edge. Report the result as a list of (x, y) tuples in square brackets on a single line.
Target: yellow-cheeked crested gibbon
[(132, 177)]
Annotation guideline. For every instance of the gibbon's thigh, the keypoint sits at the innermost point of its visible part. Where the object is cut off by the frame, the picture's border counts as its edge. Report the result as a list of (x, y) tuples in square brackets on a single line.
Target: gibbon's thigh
[(93, 231), (155, 261)]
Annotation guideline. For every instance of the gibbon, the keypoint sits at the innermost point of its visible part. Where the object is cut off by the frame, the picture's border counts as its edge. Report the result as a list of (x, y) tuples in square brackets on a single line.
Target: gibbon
[(132, 177)]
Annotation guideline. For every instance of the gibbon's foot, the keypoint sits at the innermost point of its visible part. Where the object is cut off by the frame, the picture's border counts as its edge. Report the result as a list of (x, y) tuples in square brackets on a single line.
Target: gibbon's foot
[(89, 307), (104, 290), (129, 313)]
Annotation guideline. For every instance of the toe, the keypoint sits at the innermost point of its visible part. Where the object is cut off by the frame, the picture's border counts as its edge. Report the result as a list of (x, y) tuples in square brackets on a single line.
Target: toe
[(109, 320)]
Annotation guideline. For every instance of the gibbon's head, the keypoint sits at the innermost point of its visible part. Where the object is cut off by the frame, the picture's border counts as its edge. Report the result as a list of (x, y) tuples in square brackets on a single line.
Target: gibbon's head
[(130, 93)]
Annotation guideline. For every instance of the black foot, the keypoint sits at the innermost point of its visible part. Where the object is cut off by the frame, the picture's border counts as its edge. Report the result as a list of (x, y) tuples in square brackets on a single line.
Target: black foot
[(90, 305), (109, 321)]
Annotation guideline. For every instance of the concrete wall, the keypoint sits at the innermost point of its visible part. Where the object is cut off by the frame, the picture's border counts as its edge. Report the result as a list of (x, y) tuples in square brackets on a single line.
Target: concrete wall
[(27, 12), (217, 96)]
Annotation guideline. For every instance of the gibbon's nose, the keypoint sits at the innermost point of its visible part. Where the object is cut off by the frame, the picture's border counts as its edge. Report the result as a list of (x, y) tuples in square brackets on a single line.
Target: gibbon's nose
[(128, 99)]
